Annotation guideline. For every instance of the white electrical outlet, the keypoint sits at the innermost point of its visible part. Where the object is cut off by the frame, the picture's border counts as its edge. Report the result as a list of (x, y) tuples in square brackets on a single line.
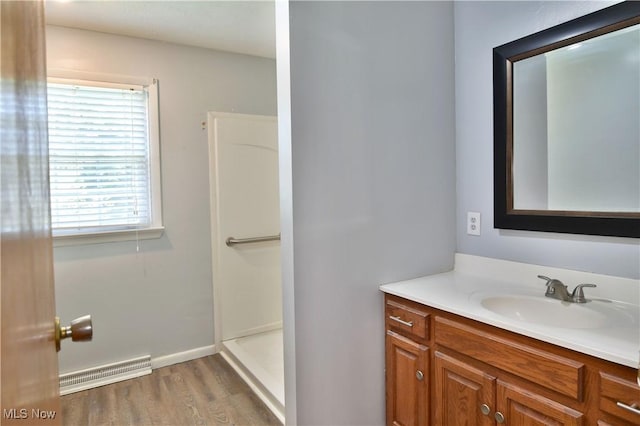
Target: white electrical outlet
[(473, 223)]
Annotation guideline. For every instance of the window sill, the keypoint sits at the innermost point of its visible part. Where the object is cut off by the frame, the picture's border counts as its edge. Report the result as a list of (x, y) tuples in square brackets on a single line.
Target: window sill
[(108, 237)]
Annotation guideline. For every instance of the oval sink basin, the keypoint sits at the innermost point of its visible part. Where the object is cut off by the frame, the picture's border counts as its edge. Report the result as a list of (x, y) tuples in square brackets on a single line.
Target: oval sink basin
[(555, 313)]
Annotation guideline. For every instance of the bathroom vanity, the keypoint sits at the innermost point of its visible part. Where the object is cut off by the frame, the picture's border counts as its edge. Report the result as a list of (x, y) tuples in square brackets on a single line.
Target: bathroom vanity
[(463, 347), (489, 342)]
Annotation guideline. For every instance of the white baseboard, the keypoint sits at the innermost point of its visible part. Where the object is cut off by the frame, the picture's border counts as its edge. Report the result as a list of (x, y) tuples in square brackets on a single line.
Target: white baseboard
[(166, 360), (94, 377)]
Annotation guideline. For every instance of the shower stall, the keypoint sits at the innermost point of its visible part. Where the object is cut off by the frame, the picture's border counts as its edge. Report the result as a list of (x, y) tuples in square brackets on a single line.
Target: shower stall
[(245, 228)]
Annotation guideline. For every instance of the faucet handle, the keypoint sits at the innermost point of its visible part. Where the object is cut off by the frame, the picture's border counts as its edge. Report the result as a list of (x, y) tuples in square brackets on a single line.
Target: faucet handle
[(554, 284), (578, 295), (550, 281), (542, 277)]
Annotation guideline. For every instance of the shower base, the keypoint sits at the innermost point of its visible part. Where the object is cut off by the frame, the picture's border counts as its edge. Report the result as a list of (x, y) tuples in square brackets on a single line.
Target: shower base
[(258, 359)]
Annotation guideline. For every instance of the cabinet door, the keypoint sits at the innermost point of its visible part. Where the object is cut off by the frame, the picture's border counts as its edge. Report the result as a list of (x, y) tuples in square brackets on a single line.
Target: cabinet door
[(517, 406), (407, 371), (616, 390), (464, 395)]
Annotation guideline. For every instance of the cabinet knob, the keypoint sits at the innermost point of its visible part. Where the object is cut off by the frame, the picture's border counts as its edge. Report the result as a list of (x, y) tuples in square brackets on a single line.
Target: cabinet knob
[(485, 409), (419, 375), (499, 417)]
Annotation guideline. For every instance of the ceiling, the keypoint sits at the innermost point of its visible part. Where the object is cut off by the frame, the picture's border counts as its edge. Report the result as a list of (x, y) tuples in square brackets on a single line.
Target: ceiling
[(246, 27)]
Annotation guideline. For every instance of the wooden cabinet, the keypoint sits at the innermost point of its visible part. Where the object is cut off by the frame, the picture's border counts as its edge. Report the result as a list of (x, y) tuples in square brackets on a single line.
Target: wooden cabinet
[(619, 398), (476, 374), (522, 406), (407, 381), (464, 395), (499, 361), (407, 365)]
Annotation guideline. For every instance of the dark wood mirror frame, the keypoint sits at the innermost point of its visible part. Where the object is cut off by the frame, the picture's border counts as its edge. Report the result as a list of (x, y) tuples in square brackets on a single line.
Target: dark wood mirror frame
[(574, 222)]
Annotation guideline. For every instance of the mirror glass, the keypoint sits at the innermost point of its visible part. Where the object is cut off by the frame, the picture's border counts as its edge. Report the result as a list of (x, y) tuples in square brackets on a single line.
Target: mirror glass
[(576, 126), (566, 120)]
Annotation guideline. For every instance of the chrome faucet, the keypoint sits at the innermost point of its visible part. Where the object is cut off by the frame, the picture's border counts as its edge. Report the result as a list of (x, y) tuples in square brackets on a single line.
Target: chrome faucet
[(557, 290)]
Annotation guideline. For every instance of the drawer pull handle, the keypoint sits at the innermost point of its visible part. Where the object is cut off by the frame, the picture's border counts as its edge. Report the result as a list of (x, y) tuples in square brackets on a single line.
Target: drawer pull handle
[(499, 417), (485, 409), (419, 375), (398, 319), (633, 407)]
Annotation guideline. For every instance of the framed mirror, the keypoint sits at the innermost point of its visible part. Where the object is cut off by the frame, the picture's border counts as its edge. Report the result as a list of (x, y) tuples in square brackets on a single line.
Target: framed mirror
[(567, 127)]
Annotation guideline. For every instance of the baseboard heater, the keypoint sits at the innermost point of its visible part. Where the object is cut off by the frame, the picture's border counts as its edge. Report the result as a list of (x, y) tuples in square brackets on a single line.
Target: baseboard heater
[(103, 375)]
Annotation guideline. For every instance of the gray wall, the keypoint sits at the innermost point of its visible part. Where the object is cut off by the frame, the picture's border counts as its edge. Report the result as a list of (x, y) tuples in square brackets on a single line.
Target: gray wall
[(480, 26), (373, 186), (157, 301)]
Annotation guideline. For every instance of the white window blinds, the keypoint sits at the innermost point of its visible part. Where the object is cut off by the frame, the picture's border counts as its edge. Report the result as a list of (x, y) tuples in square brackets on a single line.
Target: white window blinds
[(98, 158)]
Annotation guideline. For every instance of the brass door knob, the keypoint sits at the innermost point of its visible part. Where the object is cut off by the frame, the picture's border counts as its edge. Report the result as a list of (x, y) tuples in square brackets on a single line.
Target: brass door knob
[(80, 330)]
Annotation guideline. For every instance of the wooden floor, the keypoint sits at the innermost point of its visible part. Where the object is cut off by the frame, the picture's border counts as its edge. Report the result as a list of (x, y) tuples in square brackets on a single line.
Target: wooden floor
[(205, 391)]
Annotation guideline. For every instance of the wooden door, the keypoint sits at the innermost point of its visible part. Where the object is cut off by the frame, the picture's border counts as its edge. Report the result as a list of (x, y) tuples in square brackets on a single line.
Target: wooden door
[(407, 376), (462, 392), (524, 408), (29, 370)]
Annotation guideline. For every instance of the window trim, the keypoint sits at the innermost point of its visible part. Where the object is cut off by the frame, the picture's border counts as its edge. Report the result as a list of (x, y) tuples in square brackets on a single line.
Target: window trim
[(156, 229), (108, 236)]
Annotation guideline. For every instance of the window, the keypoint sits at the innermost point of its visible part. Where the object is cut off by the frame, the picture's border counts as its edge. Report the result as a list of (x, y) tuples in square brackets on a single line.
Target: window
[(103, 161)]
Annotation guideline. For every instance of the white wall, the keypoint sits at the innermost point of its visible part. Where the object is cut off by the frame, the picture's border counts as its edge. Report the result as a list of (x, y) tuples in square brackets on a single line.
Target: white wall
[(373, 187), (594, 138), (529, 128), (157, 301), (479, 27)]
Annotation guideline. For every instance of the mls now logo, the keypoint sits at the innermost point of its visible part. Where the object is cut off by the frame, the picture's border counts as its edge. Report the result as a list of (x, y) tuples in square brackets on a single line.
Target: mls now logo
[(23, 413)]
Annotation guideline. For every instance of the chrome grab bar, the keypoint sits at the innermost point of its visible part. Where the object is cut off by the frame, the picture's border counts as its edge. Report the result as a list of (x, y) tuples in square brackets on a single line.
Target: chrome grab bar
[(233, 241)]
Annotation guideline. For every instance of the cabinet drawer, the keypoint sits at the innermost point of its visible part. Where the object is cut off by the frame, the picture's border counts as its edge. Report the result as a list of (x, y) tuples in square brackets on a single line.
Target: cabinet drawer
[(614, 390), (554, 372), (406, 319)]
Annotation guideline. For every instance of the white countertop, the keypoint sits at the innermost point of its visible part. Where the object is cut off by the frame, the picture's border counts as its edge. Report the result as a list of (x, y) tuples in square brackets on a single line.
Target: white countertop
[(474, 278)]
